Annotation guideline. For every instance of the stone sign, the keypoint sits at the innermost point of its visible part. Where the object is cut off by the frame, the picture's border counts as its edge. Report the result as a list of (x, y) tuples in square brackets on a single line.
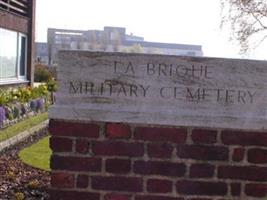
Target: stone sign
[(161, 89)]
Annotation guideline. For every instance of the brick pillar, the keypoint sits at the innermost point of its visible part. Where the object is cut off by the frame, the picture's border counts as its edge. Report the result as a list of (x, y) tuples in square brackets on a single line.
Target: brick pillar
[(114, 161)]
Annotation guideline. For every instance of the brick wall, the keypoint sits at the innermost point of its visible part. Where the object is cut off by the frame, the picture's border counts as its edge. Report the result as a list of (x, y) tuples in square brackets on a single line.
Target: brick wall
[(111, 161), (14, 22)]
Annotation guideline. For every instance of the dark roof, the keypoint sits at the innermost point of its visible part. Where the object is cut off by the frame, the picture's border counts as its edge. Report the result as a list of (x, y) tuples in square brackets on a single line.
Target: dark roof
[(164, 45)]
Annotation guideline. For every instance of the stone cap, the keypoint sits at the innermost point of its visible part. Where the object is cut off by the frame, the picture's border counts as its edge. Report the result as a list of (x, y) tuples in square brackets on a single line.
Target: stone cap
[(161, 90)]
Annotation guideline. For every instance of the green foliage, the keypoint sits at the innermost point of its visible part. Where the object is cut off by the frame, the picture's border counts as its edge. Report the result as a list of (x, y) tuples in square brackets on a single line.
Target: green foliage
[(42, 74), (38, 155), (4, 97), (24, 94), (39, 91), (18, 103), (52, 85)]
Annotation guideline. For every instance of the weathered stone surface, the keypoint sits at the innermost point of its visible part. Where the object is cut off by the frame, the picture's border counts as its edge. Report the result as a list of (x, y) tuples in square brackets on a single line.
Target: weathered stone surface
[(159, 89)]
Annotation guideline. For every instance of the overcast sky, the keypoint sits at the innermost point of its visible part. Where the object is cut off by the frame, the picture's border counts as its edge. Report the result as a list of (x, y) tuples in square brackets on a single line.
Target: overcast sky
[(172, 21)]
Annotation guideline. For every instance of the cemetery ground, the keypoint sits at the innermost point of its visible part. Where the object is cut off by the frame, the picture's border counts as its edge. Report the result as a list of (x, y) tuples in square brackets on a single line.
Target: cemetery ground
[(20, 181)]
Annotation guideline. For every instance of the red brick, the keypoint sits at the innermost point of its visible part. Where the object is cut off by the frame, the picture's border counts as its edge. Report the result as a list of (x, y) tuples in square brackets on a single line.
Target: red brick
[(256, 190), (238, 154), (119, 166), (162, 150), (127, 184), (159, 186), (75, 163), (117, 148), (75, 129), (159, 168), (59, 144), (62, 180), (117, 197), (199, 152), (150, 197), (118, 131), (175, 135), (82, 146), (201, 136), (82, 181), (201, 188), (250, 173), (202, 170), (244, 138), (73, 195), (235, 189), (258, 156)]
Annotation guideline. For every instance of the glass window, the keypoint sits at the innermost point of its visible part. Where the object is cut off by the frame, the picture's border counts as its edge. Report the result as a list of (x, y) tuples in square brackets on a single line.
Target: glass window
[(22, 55), (8, 53), (13, 55)]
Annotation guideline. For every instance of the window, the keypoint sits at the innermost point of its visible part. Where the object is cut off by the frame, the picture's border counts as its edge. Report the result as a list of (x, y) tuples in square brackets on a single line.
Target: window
[(22, 55), (13, 55)]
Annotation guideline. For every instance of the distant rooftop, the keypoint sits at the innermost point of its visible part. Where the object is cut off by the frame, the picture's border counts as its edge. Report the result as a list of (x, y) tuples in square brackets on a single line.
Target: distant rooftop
[(165, 45)]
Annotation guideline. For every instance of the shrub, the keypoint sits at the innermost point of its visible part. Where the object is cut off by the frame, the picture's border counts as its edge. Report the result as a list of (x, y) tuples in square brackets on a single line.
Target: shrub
[(18, 103), (24, 94), (4, 97), (42, 74), (39, 91), (52, 85)]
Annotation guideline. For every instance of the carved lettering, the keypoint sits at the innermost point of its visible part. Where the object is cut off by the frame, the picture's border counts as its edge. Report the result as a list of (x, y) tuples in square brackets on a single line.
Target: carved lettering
[(75, 88), (145, 90), (251, 96), (121, 68), (150, 69), (165, 93), (130, 69), (172, 70)]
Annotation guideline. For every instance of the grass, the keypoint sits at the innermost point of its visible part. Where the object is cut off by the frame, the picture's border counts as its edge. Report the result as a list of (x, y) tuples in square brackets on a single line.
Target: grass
[(37, 155), (22, 126)]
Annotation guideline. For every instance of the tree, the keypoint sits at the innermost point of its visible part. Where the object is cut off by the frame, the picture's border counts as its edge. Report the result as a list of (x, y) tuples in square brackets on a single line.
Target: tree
[(247, 20)]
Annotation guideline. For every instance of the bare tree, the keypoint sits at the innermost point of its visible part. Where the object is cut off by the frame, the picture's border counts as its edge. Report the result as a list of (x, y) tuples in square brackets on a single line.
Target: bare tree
[(247, 20)]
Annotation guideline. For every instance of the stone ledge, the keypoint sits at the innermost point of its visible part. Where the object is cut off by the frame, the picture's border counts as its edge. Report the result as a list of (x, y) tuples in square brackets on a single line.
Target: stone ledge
[(20, 137)]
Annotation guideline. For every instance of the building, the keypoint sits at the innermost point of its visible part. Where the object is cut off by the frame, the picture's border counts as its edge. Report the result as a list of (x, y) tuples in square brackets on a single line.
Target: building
[(41, 53), (112, 39), (17, 21)]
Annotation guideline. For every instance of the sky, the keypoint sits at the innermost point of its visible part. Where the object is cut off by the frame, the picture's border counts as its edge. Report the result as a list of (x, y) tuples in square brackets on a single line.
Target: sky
[(170, 21)]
